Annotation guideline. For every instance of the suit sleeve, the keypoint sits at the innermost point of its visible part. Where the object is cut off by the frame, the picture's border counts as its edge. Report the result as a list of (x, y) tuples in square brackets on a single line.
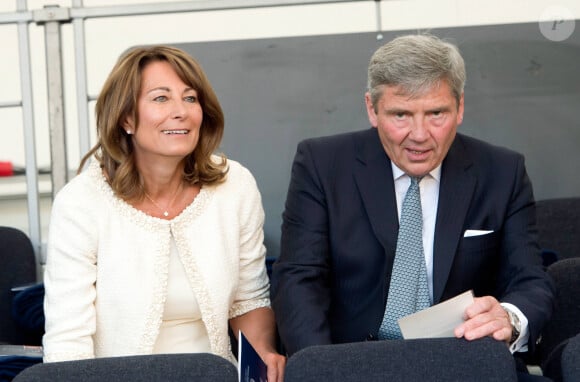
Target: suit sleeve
[(526, 283), (300, 278)]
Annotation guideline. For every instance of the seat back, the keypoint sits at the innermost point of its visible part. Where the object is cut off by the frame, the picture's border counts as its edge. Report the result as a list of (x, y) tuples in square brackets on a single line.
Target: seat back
[(571, 360), (559, 226), (565, 322), (158, 367), (434, 359), (17, 268)]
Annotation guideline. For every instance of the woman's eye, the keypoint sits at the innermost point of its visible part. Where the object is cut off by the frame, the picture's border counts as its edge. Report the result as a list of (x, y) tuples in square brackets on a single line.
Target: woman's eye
[(160, 99), (191, 99)]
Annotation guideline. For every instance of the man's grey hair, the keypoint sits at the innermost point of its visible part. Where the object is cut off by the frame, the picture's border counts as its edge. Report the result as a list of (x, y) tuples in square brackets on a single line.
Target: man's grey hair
[(415, 63)]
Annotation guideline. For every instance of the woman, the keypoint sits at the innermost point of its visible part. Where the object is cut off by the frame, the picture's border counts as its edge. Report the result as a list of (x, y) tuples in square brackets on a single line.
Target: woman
[(158, 244)]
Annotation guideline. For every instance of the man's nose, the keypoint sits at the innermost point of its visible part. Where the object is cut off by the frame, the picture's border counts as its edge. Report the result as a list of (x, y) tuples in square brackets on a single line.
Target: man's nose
[(419, 129)]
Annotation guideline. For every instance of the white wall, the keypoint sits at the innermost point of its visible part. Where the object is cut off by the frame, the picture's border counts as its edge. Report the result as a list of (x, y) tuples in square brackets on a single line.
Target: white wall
[(107, 38)]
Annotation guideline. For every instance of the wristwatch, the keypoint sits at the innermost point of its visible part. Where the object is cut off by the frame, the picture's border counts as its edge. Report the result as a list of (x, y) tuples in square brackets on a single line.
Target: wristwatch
[(516, 325)]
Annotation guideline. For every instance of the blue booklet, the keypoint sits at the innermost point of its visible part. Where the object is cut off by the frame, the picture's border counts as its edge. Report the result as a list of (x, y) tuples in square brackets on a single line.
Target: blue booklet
[(251, 368)]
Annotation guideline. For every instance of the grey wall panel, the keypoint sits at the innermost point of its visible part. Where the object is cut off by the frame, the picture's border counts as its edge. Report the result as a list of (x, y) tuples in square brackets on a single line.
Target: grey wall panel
[(522, 91)]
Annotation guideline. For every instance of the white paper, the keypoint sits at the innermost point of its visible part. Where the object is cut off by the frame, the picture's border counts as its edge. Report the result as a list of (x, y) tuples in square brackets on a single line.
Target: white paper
[(437, 321)]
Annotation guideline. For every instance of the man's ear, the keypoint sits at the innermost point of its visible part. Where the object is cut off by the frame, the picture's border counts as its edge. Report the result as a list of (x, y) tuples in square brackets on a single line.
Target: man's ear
[(460, 109), (373, 119)]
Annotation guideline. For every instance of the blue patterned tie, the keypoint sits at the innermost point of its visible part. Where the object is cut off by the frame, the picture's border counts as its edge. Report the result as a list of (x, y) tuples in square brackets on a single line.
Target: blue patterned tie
[(408, 291)]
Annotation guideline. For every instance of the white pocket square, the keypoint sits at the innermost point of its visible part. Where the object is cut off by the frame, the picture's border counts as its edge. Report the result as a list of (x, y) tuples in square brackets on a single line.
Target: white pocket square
[(476, 232)]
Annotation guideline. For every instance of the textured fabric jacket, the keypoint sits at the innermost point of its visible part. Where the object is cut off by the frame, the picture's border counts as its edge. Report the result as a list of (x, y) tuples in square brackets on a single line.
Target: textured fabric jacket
[(107, 265)]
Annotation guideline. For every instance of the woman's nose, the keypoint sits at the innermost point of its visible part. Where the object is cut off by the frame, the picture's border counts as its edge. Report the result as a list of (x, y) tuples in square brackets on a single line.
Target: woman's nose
[(179, 110)]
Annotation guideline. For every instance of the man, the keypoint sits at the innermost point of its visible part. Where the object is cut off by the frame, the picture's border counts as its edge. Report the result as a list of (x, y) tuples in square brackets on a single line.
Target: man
[(332, 281)]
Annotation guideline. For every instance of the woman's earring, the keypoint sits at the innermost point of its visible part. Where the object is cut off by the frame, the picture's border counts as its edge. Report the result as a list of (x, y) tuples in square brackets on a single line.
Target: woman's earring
[(129, 132)]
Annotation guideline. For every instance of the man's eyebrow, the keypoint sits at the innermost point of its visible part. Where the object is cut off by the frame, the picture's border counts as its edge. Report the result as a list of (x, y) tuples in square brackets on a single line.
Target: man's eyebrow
[(396, 110), (439, 108)]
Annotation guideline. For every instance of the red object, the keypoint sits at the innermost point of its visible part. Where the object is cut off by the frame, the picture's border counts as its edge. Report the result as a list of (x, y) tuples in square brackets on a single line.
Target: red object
[(6, 169)]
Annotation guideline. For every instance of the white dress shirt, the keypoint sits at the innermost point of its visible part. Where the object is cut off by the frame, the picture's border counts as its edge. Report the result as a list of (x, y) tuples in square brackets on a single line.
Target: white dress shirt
[(429, 187)]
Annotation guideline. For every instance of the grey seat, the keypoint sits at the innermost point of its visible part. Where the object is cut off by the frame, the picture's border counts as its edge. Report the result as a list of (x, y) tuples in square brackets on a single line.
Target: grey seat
[(141, 368), (558, 222), (17, 268), (436, 359), (564, 323), (571, 360)]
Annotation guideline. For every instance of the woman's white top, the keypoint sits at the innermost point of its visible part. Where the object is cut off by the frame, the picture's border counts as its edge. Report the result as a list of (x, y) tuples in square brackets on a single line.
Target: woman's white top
[(108, 265), (182, 330)]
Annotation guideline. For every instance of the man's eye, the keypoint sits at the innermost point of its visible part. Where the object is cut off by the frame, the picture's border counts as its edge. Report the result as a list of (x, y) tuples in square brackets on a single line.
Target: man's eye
[(400, 115)]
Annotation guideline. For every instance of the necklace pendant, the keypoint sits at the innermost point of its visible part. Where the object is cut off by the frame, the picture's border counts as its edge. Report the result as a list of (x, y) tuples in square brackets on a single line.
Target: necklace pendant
[(166, 214)]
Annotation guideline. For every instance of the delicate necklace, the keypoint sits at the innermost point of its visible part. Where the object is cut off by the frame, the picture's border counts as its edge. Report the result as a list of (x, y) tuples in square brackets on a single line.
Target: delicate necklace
[(166, 209)]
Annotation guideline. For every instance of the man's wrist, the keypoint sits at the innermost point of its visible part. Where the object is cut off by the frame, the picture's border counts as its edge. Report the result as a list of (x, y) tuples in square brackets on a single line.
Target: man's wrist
[(515, 324)]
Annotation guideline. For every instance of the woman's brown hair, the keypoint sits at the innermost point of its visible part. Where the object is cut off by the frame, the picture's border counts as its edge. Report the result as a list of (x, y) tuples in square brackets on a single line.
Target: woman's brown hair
[(118, 100)]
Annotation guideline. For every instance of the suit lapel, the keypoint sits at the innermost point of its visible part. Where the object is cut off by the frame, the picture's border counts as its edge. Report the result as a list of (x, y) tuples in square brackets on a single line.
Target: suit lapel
[(374, 179), (455, 193)]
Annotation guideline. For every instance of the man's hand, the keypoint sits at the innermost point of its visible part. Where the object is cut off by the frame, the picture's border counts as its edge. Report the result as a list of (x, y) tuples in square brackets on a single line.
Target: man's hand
[(485, 317)]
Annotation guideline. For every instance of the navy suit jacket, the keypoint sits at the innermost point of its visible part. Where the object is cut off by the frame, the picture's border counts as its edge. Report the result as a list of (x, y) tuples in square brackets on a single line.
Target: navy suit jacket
[(339, 233)]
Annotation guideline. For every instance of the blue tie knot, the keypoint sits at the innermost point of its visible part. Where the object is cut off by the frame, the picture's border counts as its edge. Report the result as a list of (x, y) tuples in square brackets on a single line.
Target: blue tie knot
[(415, 180)]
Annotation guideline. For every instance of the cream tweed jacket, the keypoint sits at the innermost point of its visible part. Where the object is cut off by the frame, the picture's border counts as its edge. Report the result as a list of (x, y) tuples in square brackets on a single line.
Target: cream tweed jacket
[(107, 265)]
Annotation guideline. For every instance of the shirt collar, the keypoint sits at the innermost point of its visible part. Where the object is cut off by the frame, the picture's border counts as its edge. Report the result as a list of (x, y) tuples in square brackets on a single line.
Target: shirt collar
[(398, 173)]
